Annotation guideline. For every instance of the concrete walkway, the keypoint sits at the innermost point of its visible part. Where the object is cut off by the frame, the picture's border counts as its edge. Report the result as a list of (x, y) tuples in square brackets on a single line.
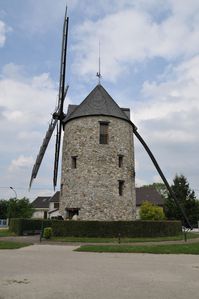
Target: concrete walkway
[(46, 272)]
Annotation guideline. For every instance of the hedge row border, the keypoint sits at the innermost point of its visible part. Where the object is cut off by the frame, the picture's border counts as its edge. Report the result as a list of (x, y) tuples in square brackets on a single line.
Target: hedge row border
[(61, 228)]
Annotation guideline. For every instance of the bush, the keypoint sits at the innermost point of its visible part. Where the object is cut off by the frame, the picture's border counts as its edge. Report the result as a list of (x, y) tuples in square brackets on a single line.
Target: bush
[(98, 228), (28, 226), (114, 228), (149, 211), (47, 232)]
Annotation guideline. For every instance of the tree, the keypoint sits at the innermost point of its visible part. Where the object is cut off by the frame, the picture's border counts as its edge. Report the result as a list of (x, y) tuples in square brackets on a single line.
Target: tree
[(19, 208), (3, 209), (149, 211), (186, 198)]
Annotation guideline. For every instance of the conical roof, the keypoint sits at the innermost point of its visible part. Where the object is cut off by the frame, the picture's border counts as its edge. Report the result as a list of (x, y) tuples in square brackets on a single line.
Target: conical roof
[(98, 102)]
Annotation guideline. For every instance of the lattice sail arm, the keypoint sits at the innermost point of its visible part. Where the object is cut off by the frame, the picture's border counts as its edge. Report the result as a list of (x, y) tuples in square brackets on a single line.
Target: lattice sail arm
[(57, 153), (42, 150), (62, 92)]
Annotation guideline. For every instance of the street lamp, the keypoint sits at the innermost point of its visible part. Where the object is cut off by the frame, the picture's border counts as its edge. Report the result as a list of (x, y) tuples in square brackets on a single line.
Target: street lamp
[(14, 191)]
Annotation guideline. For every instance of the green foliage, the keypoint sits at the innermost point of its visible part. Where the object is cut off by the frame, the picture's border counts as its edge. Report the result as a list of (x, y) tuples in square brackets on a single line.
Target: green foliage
[(28, 226), (149, 211), (15, 208), (114, 228), (47, 232), (187, 200), (19, 208), (3, 208), (102, 229)]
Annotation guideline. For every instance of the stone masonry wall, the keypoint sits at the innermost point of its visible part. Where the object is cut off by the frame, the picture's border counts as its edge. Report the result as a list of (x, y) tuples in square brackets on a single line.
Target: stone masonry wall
[(93, 186)]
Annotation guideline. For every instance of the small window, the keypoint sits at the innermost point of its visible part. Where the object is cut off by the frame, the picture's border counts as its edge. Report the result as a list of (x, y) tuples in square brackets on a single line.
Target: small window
[(56, 205), (45, 215), (74, 162), (103, 133), (61, 189), (121, 187), (120, 161)]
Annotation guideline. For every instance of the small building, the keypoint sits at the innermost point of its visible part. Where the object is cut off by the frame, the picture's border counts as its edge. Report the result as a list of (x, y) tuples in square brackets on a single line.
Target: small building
[(41, 207), (3, 223), (147, 194), (53, 212)]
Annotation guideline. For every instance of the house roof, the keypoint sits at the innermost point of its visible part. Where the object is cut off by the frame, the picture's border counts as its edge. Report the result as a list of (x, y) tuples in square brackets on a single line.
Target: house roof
[(148, 194), (41, 202), (98, 102), (55, 197)]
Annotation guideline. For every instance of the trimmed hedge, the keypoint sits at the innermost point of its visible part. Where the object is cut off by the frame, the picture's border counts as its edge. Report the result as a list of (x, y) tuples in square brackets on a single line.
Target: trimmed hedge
[(116, 228), (63, 228), (28, 226)]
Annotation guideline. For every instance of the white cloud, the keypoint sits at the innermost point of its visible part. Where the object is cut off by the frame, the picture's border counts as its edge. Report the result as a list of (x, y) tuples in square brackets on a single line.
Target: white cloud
[(26, 104), (2, 33), (133, 35), (20, 162), (26, 100), (167, 118), (176, 93)]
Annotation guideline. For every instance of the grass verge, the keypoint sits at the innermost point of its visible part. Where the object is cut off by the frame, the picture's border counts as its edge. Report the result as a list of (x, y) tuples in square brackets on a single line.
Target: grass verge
[(155, 249), (123, 240), (12, 245), (6, 233)]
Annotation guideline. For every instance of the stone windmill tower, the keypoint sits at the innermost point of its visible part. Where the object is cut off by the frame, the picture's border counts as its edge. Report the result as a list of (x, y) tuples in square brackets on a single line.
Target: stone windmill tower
[(98, 172)]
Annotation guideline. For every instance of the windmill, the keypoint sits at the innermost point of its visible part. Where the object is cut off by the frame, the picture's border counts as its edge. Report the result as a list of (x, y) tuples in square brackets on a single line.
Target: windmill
[(58, 115), (57, 121)]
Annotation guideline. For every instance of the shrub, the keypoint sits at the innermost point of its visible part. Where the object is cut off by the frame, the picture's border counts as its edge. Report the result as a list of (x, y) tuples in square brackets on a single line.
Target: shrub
[(28, 226), (47, 232), (137, 228), (114, 228), (149, 211)]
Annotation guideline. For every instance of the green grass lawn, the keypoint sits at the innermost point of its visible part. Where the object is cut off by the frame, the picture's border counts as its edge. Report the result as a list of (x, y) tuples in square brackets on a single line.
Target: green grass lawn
[(6, 233), (123, 240), (12, 245), (155, 249)]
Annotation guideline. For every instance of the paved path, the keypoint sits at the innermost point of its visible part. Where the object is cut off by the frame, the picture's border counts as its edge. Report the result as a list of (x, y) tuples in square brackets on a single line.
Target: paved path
[(51, 272)]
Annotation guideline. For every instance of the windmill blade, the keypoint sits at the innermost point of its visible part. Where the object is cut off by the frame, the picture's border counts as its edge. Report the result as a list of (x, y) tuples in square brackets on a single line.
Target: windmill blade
[(172, 194), (62, 94), (57, 152), (42, 150), (62, 91), (58, 115)]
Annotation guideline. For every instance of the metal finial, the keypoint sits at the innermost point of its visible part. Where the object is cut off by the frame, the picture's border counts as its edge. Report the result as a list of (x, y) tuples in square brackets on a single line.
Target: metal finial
[(99, 72)]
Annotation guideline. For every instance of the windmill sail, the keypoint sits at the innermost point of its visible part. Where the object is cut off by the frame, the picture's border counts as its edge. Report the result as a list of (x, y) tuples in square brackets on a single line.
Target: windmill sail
[(62, 94), (57, 151), (58, 115), (172, 194), (42, 150)]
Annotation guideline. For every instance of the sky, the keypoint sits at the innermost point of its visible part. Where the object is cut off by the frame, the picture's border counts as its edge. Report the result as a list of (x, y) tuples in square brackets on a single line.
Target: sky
[(149, 63)]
